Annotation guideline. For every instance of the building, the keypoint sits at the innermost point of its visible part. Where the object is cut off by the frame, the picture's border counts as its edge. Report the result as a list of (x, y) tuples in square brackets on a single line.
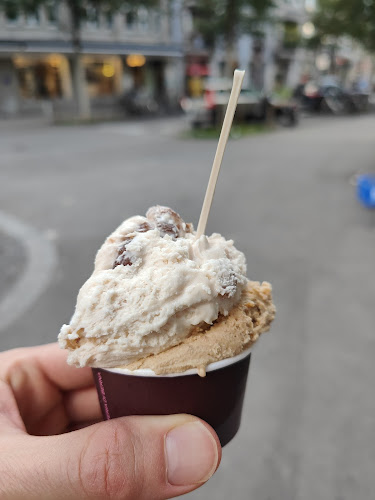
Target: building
[(278, 58), (277, 55), (284, 44), (140, 50)]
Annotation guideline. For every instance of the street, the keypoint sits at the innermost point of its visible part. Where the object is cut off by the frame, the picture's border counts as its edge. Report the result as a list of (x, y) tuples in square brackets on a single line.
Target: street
[(287, 199)]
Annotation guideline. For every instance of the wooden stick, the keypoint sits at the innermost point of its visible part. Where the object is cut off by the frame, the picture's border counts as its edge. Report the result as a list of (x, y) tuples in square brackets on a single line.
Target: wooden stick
[(223, 139)]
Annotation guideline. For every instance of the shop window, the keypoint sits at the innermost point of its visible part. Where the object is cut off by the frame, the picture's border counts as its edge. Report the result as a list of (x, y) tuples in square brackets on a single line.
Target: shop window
[(100, 76), (38, 79)]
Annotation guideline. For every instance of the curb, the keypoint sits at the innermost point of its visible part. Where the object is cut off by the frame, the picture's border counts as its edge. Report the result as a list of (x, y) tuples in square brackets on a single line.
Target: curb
[(41, 260)]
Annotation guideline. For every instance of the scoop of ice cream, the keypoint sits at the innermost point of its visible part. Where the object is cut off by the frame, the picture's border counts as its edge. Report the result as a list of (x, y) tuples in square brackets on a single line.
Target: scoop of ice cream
[(227, 337), (153, 283)]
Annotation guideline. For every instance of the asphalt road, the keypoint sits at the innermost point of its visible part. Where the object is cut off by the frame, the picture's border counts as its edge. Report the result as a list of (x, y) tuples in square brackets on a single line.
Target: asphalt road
[(12, 260), (308, 429)]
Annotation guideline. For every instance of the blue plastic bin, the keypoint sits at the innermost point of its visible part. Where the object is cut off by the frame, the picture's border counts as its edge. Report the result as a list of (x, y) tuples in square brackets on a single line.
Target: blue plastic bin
[(366, 190)]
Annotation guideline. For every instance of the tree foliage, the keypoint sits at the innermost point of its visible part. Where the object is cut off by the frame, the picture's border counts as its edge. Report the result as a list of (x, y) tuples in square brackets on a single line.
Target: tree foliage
[(354, 18), (13, 8), (229, 18)]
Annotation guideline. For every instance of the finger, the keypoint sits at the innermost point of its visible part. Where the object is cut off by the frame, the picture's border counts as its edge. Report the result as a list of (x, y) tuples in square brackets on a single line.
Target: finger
[(40, 400), (82, 405), (51, 361), (78, 407), (127, 458), (10, 418), (36, 396)]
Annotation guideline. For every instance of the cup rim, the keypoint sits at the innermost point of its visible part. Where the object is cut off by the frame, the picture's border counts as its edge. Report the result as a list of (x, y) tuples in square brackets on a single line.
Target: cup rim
[(147, 372)]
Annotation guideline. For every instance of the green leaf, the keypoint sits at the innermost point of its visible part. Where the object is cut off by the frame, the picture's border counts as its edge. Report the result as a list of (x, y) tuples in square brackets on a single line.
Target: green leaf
[(230, 18), (353, 18)]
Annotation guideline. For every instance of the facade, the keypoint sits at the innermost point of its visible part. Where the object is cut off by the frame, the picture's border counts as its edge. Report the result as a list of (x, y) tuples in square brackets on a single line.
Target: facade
[(276, 56), (284, 43), (286, 61), (140, 50)]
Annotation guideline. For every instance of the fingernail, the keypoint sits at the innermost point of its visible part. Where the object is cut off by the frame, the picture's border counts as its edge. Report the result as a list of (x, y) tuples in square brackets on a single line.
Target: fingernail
[(192, 454)]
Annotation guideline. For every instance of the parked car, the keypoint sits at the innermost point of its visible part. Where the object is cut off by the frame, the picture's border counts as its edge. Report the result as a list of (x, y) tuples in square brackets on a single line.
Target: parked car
[(329, 96), (252, 106), (285, 111), (209, 110)]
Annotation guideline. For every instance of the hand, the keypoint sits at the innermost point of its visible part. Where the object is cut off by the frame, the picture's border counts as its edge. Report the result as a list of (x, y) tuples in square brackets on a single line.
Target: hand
[(42, 399)]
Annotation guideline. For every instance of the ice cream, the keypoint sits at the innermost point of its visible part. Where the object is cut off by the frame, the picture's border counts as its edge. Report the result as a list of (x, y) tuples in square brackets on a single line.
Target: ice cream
[(161, 298)]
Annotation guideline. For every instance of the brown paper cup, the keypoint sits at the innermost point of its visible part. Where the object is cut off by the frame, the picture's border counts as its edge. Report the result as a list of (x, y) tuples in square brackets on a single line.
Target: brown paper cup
[(216, 398)]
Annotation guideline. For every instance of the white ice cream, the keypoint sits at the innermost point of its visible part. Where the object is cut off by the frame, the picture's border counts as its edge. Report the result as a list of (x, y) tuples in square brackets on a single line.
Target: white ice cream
[(164, 282)]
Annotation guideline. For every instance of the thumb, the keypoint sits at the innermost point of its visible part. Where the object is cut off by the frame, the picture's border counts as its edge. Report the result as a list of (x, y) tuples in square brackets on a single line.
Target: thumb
[(154, 457)]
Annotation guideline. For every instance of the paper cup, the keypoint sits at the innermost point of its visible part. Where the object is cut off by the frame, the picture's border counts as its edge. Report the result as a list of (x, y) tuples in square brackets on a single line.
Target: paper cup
[(216, 398)]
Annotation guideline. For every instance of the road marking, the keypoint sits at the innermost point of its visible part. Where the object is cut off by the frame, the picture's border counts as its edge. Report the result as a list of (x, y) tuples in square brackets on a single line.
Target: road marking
[(41, 260)]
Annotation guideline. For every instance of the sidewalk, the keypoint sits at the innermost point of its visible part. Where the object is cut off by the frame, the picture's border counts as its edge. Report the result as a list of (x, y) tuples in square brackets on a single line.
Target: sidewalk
[(23, 123)]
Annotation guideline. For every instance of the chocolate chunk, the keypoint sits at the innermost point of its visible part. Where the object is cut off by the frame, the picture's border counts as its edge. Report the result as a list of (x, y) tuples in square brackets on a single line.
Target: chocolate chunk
[(166, 220), (124, 258), (144, 227)]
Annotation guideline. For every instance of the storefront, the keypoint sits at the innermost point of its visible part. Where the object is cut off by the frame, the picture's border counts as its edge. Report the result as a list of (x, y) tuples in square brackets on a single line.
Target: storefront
[(103, 75), (146, 74), (31, 79), (43, 77)]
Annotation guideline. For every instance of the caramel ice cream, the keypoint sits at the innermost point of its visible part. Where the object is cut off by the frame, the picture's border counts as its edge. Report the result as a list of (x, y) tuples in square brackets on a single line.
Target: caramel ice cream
[(160, 298)]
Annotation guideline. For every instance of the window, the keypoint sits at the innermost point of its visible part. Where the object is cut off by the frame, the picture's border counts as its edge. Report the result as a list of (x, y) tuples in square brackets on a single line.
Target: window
[(157, 21), (131, 19), (11, 13), (38, 78), (291, 35), (32, 19), (143, 19), (92, 14), (108, 19), (52, 11)]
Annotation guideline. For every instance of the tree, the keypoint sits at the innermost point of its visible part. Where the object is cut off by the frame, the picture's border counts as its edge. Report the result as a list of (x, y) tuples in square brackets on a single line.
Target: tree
[(229, 19), (79, 11), (353, 18)]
